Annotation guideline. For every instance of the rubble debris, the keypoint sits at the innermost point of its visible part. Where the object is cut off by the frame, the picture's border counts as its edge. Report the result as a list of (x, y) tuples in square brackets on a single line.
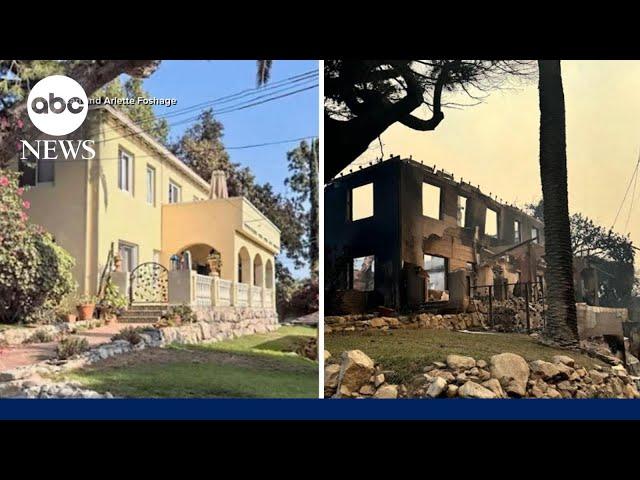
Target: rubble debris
[(506, 375)]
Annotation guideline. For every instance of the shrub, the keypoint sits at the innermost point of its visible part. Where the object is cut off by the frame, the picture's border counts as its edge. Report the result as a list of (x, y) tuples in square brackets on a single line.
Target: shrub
[(113, 302), (70, 346), (130, 334), (183, 311), (35, 273), (40, 336)]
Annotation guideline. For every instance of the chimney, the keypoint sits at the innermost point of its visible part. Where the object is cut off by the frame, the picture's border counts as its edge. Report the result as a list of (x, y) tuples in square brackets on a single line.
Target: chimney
[(218, 185)]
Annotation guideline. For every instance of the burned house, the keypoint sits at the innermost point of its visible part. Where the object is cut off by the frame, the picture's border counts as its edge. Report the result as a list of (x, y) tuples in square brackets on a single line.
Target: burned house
[(403, 235)]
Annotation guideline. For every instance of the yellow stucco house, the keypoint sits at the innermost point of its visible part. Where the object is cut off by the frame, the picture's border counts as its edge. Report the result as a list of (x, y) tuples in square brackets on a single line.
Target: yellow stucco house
[(137, 200)]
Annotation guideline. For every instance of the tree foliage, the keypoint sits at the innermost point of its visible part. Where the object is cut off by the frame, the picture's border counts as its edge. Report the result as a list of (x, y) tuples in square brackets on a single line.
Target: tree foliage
[(35, 272), (18, 76), (365, 97), (303, 182), (141, 113), (590, 239)]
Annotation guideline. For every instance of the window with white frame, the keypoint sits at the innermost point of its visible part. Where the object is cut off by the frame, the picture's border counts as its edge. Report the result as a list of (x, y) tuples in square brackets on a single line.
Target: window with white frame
[(151, 185), (362, 202), (129, 255), (534, 235), (175, 192), (35, 171), (125, 171), (517, 236), (430, 201)]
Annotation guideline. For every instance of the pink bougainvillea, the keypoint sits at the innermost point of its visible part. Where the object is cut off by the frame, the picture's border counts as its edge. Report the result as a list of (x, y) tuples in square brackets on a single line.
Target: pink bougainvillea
[(26, 204), (4, 181)]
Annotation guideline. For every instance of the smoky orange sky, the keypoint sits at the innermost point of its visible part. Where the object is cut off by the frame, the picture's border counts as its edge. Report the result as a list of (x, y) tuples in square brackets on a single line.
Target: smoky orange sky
[(495, 144)]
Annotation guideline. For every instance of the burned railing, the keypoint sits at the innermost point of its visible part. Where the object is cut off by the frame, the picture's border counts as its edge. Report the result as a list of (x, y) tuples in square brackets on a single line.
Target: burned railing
[(522, 297)]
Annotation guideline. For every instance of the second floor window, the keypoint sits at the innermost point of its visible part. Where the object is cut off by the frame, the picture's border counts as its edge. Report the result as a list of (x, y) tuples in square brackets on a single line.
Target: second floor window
[(125, 171), (151, 185), (517, 237), (362, 202), (35, 171), (430, 201), (491, 223), (534, 235), (462, 211), (174, 192)]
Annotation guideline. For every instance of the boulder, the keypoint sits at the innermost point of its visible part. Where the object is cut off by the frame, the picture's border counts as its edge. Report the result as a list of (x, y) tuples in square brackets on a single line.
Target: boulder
[(378, 380), (356, 369), (378, 322), (460, 362), (568, 361), (494, 385), (512, 371), (545, 370), (473, 390), (437, 387), (327, 355), (387, 391), (331, 373), (452, 391)]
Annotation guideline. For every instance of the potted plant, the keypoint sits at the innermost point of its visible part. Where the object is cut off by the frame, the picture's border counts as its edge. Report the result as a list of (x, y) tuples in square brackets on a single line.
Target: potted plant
[(86, 306), (112, 304), (215, 263), (179, 314), (66, 309)]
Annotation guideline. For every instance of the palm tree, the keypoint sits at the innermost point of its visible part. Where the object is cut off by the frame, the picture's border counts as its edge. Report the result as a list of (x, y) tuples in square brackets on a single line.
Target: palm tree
[(264, 71), (561, 321)]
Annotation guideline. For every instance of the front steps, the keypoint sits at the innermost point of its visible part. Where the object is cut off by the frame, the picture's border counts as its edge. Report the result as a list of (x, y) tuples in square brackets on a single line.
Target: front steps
[(143, 313)]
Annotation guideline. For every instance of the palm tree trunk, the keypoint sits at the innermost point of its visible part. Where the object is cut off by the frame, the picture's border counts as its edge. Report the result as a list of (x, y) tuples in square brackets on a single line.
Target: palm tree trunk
[(561, 322)]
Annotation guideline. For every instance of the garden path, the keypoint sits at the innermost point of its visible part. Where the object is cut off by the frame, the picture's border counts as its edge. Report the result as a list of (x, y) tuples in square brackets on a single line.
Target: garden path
[(13, 356)]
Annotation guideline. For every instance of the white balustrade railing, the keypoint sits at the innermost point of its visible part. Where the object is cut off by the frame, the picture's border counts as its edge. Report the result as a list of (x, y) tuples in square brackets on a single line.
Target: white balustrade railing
[(256, 296), (224, 292), (242, 295), (268, 298), (203, 290)]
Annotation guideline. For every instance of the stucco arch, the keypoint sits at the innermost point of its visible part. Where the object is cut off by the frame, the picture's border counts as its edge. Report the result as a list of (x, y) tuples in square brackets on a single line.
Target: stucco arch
[(258, 271), (269, 274), (199, 256), (244, 266)]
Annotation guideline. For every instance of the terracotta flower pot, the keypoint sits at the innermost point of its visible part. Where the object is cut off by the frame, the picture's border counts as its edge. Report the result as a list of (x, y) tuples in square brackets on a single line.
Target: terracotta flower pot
[(85, 311), (110, 318), (70, 318)]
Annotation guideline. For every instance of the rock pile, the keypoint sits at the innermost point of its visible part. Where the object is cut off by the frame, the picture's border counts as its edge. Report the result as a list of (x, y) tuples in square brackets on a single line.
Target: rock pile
[(510, 315), (506, 375), (460, 321), (356, 376)]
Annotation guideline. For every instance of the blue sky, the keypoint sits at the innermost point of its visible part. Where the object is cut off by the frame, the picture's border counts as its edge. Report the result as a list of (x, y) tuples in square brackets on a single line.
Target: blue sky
[(193, 82)]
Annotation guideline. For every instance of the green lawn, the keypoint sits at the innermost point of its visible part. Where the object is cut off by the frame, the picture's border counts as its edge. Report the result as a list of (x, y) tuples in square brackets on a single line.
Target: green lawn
[(407, 352), (253, 366)]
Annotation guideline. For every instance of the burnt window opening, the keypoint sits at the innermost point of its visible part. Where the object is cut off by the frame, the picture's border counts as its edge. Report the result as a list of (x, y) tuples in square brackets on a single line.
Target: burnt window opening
[(517, 235), (534, 235), (491, 223), (362, 202), (363, 273), (436, 269), (462, 211), (431, 200)]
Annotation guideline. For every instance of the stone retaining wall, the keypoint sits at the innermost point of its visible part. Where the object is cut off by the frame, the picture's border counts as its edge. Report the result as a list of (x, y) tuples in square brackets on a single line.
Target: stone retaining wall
[(458, 321)]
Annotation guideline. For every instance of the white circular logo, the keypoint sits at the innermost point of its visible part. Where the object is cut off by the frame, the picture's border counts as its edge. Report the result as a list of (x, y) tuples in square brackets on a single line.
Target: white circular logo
[(57, 105)]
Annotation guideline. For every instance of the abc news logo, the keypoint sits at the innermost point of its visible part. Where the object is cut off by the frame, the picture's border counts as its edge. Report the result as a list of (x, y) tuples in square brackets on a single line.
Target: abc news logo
[(57, 105)]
